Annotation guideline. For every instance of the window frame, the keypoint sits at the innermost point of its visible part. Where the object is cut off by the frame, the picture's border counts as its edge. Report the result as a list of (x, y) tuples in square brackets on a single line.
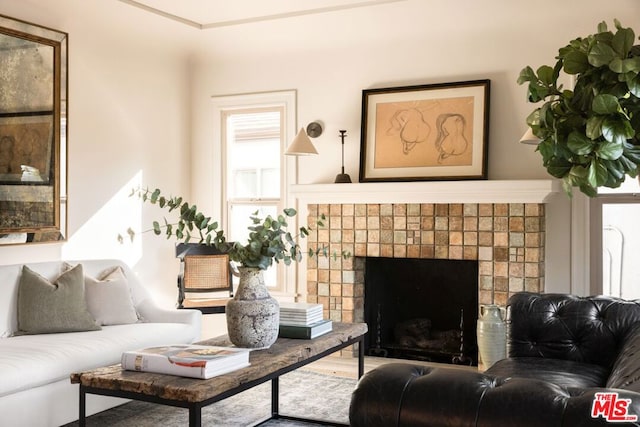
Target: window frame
[(224, 105)]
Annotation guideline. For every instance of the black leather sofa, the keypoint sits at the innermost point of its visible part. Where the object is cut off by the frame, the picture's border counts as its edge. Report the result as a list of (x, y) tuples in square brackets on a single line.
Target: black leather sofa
[(562, 350)]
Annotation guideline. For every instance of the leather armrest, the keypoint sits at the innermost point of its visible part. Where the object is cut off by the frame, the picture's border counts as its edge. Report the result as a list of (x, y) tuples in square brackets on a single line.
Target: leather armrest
[(625, 373)]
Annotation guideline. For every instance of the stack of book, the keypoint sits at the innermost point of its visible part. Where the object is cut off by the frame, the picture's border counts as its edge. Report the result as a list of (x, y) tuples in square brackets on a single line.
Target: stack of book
[(186, 360), (302, 320)]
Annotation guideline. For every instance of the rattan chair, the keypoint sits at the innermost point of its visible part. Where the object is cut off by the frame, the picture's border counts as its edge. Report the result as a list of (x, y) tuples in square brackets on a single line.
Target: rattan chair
[(205, 279)]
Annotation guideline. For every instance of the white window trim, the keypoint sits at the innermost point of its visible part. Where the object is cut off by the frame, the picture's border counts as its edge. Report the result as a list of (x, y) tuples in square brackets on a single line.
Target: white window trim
[(286, 99)]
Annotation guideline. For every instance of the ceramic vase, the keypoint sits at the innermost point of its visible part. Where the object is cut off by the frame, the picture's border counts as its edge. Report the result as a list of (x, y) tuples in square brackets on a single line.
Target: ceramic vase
[(253, 315), (492, 335)]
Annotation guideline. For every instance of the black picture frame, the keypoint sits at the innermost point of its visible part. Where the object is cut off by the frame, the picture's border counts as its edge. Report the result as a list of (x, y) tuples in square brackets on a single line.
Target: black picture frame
[(425, 132)]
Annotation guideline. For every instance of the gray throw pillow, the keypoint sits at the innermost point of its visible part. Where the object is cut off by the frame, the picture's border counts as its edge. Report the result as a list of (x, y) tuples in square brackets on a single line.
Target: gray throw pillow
[(45, 307), (109, 298)]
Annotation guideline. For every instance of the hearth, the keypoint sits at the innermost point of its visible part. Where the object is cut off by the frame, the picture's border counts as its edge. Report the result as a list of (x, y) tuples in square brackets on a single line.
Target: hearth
[(421, 309)]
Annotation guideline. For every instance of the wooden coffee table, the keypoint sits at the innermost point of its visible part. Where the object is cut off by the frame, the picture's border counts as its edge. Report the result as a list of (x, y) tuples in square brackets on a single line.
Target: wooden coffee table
[(284, 356)]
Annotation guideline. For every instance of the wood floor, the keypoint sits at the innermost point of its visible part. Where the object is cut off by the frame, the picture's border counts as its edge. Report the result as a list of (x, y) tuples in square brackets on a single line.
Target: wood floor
[(348, 367)]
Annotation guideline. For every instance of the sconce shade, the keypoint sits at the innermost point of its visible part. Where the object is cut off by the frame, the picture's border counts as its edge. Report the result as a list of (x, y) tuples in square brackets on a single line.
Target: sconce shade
[(529, 138), (301, 145)]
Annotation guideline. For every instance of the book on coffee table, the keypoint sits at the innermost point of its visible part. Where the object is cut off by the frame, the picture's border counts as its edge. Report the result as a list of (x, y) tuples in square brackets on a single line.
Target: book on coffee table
[(305, 332), (300, 313), (186, 360)]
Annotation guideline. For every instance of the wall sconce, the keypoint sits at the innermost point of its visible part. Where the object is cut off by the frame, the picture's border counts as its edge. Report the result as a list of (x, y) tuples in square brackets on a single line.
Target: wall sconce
[(342, 178), (301, 144), (529, 138)]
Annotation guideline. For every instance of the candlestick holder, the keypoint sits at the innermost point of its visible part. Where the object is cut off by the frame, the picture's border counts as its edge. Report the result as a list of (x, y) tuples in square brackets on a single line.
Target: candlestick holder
[(342, 178)]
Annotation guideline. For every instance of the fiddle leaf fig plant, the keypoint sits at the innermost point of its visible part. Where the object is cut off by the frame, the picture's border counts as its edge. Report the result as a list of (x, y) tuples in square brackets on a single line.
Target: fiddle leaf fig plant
[(269, 238), (590, 136)]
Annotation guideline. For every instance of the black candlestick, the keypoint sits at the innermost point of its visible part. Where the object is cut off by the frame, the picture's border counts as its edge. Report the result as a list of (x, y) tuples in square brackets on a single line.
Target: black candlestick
[(342, 178)]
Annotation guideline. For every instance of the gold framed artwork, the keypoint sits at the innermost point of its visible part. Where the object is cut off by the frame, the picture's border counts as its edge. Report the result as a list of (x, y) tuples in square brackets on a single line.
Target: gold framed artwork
[(426, 132)]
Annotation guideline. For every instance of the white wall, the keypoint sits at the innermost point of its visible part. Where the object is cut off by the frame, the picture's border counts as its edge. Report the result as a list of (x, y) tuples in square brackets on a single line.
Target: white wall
[(128, 123), (330, 58), (140, 88)]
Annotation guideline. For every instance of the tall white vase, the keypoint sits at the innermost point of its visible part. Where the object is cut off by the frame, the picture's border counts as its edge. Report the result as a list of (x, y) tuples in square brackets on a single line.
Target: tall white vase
[(253, 316), (491, 334)]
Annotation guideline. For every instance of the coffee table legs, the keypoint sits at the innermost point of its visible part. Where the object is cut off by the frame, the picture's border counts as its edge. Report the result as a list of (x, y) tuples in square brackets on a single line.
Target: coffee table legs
[(195, 416), (82, 422), (275, 397)]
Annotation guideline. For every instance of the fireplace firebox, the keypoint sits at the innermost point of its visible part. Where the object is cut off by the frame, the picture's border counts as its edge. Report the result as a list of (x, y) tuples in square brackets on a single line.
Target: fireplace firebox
[(422, 309)]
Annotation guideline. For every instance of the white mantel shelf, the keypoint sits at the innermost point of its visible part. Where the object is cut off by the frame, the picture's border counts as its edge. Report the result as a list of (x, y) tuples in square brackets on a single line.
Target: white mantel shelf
[(485, 191)]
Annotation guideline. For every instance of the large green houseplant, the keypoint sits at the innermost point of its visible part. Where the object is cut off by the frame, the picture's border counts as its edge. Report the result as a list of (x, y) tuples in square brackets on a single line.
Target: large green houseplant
[(589, 135)]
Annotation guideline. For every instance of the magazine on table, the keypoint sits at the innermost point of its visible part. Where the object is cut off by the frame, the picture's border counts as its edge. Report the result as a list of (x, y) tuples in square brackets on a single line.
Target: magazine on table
[(186, 360)]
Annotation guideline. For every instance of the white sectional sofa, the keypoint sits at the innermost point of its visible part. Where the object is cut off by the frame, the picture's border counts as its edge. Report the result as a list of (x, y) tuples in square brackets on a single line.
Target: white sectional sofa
[(35, 389)]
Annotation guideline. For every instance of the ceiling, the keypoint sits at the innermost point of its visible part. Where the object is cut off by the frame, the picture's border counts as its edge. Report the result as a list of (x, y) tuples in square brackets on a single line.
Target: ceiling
[(207, 14)]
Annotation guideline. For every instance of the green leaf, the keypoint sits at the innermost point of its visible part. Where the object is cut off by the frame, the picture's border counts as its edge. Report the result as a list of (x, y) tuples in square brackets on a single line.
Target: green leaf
[(594, 127), (156, 228), (204, 223), (579, 144), (526, 75), (601, 54), (597, 174), (545, 74), (609, 150), (289, 212), (602, 27), (575, 62), (634, 86), (155, 195), (605, 104), (559, 168), (616, 130), (622, 41)]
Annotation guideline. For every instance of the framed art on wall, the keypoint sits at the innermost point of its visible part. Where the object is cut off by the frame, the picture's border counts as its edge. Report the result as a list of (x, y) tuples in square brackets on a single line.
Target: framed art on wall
[(426, 132)]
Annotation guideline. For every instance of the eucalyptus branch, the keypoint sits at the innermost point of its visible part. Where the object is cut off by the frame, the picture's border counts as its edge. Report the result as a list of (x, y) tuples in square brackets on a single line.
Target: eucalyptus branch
[(269, 238)]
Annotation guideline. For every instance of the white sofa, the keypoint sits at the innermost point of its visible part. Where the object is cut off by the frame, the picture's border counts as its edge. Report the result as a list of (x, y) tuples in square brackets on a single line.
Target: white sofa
[(35, 389)]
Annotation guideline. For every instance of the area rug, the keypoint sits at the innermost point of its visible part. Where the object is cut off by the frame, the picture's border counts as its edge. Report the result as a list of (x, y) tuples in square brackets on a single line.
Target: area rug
[(302, 393)]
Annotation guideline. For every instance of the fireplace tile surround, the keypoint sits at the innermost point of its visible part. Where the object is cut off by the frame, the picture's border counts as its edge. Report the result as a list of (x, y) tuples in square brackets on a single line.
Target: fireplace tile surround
[(504, 232), (507, 240)]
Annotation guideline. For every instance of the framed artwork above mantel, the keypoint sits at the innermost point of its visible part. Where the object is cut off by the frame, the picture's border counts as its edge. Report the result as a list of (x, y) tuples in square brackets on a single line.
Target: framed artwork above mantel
[(426, 132)]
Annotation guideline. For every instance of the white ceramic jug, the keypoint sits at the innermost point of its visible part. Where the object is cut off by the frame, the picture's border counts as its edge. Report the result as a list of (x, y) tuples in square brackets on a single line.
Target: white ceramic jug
[(491, 334)]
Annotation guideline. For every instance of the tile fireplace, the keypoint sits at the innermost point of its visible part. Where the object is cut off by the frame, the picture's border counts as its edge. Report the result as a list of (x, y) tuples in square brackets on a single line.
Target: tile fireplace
[(499, 224)]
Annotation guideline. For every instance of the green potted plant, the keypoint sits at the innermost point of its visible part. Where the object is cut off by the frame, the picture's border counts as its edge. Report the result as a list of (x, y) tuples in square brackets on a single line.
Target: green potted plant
[(252, 315), (589, 136)]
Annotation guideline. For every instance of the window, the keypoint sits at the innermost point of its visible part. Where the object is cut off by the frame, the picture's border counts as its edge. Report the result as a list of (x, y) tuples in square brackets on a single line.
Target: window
[(253, 145), (251, 173), (616, 240), (247, 170)]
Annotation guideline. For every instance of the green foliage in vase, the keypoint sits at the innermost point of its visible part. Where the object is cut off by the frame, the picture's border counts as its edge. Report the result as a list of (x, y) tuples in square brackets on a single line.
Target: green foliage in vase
[(589, 135), (269, 238)]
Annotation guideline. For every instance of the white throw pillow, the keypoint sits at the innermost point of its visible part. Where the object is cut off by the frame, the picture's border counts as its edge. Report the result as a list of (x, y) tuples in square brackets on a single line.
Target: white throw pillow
[(109, 298)]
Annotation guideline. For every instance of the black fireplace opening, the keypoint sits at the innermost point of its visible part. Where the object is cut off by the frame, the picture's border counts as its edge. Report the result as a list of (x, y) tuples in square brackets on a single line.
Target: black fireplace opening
[(422, 309)]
